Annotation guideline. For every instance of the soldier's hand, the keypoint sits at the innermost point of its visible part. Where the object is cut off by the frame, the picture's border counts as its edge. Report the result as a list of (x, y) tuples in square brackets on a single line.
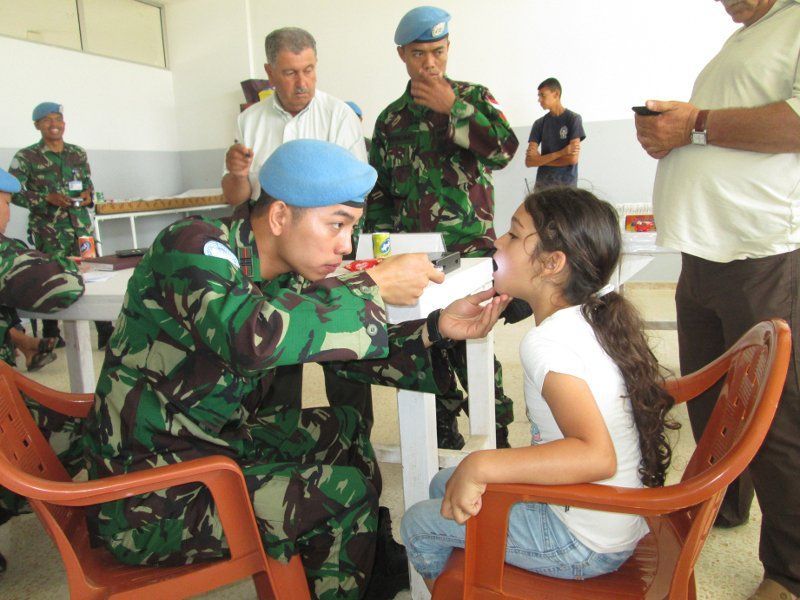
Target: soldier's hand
[(238, 159), (57, 199), (671, 129), (466, 319), (431, 89), (401, 279), (87, 198)]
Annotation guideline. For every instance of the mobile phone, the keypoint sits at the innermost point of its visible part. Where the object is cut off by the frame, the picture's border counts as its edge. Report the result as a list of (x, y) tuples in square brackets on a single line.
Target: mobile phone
[(644, 111)]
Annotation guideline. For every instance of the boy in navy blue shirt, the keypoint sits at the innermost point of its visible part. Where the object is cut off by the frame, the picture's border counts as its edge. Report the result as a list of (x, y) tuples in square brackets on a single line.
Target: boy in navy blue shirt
[(559, 133)]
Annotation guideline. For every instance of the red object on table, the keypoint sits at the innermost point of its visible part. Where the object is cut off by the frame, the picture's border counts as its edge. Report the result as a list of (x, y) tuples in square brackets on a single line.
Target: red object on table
[(362, 265)]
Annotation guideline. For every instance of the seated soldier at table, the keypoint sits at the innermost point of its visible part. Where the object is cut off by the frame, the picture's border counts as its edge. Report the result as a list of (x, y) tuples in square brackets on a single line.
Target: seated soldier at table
[(30, 280), (190, 360)]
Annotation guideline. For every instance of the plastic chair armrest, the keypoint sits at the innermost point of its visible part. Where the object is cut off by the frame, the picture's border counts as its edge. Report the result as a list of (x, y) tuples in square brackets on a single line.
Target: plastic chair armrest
[(638, 501), (220, 474), (65, 403)]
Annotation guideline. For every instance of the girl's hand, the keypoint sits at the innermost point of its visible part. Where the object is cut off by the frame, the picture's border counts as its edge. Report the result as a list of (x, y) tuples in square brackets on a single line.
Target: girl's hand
[(466, 319), (463, 493)]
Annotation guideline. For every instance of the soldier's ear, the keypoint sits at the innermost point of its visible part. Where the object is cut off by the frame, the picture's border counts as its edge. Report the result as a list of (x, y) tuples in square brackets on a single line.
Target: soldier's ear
[(401, 52), (279, 215)]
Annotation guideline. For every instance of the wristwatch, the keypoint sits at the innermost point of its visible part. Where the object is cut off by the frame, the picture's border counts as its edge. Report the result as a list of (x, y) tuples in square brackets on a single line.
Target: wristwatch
[(699, 136), (434, 335)]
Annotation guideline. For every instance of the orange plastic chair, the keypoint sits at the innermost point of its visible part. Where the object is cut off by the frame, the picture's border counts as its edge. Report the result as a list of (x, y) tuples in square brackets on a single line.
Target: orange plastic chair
[(29, 467), (679, 515)]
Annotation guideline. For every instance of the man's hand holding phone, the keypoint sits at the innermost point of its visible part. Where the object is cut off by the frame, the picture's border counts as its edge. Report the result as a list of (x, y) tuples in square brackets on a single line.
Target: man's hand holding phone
[(670, 129)]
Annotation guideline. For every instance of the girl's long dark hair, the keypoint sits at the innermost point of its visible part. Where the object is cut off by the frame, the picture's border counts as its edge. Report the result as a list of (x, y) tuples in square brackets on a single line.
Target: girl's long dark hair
[(586, 230)]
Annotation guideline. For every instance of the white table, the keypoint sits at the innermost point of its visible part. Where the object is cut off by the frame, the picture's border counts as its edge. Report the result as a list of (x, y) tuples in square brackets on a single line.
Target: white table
[(638, 251), (101, 301), (418, 452)]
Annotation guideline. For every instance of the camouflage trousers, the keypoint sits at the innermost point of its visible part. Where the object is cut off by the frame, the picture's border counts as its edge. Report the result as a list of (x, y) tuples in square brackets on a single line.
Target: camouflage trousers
[(454, 400), (61, 236), (63, 434), (314, 483)]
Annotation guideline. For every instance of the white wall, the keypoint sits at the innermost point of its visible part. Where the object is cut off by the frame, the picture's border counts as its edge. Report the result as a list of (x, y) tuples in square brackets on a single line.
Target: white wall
[(608, 55), (154, 131), (122, 113), (208, 56), (109, 104)]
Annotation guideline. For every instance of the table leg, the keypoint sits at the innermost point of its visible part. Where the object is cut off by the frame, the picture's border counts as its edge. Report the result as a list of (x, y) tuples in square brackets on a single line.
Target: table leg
[(80, 363), (419, 456), (480, 376), (98, 242), (133, 232)]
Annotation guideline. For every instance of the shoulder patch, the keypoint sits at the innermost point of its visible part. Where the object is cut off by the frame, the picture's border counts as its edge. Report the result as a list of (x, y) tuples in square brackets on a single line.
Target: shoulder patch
[(220, 250)]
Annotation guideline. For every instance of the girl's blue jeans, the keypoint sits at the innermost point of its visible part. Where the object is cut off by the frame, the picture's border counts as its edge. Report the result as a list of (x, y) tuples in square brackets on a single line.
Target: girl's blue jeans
[(537, 540)]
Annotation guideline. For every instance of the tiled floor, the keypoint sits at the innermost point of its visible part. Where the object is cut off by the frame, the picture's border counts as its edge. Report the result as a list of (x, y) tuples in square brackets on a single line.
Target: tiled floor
[(728, 567)]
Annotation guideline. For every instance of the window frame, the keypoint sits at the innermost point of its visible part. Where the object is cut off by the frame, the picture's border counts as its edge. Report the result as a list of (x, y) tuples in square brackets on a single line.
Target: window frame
[(79, 6)]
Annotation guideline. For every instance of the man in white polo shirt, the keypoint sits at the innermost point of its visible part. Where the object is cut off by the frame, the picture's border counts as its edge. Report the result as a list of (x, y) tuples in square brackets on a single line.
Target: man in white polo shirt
[(296, 110), (727, 195)]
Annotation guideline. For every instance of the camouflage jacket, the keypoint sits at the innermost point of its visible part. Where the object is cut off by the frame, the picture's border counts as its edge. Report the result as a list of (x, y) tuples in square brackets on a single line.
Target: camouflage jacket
[(30, 280), (192, 351), (434, 170), (53, 229)]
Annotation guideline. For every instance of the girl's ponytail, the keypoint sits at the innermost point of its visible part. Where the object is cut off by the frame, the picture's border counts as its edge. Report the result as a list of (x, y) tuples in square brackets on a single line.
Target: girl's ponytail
[(586, 230)]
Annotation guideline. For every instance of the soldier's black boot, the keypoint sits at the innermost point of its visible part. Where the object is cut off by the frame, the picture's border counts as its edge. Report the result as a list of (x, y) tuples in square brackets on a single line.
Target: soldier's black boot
[(390, 570), (501, 435), (3, 564), (447, 432)]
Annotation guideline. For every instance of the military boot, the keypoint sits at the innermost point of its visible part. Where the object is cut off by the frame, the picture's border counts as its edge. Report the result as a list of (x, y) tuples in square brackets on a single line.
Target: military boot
[(390, 570), (447, 432)]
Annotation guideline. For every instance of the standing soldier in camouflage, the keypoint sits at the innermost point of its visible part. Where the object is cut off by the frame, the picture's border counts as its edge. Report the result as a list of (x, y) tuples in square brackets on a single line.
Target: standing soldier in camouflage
[(57, 191), (434, 149), (186, 372), (29, 280)]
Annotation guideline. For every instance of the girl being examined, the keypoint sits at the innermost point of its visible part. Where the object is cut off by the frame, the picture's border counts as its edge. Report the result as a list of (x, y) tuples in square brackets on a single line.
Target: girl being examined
[(594, 397)]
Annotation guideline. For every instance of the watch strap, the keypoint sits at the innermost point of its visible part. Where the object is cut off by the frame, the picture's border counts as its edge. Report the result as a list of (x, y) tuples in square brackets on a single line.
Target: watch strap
[(434, 335)]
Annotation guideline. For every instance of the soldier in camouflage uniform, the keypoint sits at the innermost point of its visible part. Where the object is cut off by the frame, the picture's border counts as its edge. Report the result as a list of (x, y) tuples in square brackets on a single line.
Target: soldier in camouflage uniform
[(434, 149), (30, 280), (57, 191), (187, 367)]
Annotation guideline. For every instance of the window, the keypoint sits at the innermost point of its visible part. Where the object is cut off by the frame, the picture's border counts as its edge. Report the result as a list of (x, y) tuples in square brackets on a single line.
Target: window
[(124, 29), (48, 21), (127, 29)]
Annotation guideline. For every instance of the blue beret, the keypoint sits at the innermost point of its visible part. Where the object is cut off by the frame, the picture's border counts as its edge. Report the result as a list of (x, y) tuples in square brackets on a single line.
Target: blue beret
[(356, 108), (9, 183), (312, 173), (45, 108), (422, 24)]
